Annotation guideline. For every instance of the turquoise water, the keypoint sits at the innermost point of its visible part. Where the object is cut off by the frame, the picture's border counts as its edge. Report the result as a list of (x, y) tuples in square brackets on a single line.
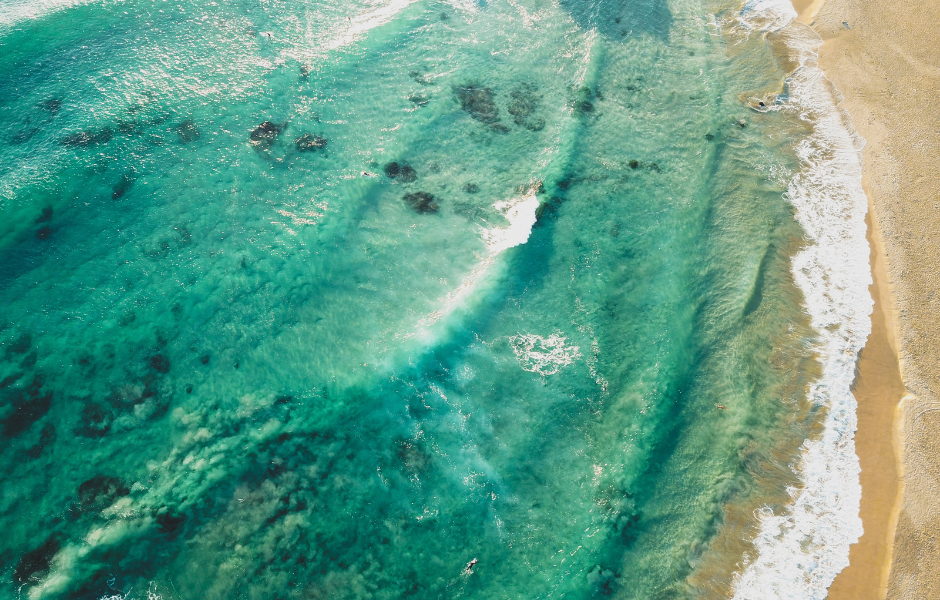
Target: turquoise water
[(260, 338)]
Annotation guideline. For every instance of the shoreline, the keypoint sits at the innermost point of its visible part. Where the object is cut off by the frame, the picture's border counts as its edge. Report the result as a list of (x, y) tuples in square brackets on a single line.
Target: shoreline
[(883, 59), (878, 391), (879, 387)]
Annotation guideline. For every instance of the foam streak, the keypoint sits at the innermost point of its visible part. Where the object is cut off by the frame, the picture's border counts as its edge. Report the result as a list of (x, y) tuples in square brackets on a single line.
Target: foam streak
[(802, 548)]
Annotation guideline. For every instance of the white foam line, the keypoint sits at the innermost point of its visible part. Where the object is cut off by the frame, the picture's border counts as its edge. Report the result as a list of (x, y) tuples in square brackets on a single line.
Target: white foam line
[(359, 25), (802, 548), (14, 11), (520, 212)]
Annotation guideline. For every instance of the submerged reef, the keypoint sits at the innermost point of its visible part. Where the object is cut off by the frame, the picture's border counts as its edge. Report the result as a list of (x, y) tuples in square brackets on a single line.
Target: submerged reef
[(478, 103), (187, 131), (422, 203), (263, 136), (404, 173), (92, 137), (308, 142)]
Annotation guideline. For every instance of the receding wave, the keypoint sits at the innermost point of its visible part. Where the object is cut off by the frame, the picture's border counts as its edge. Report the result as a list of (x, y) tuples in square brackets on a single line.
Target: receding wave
[(800, 550)]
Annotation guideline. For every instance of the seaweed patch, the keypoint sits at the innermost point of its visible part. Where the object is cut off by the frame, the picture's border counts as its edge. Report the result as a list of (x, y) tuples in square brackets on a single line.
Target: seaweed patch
[(478, 103), (422, 203)]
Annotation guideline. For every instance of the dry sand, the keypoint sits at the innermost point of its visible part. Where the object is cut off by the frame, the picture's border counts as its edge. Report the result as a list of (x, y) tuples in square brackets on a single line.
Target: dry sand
[(885, 59)]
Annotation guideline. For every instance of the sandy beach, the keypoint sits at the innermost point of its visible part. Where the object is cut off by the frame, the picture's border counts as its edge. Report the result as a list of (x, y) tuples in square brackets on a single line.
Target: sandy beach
[(885, 60)]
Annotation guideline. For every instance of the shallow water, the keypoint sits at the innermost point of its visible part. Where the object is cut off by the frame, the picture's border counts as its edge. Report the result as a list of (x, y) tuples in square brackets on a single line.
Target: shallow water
[(546, 353)]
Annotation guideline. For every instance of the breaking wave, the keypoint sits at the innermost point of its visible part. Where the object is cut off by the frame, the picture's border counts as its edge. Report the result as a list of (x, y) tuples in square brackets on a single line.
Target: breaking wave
[(801, 549)]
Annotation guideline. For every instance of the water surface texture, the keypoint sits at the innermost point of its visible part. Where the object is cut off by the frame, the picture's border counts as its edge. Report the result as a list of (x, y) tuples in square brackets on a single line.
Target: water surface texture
[(396, 299)]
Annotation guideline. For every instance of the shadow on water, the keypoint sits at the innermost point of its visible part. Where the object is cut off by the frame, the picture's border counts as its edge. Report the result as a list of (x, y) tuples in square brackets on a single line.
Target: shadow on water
[(619, 19)]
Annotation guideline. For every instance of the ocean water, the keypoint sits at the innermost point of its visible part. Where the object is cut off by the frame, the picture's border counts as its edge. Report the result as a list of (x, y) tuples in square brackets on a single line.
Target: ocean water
[(423, 299)]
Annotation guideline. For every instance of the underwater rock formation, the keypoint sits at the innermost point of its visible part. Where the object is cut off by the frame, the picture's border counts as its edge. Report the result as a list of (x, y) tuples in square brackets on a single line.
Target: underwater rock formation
[(525, 101), (187, 131), (308, 142), (125, 183), (478, 103), (84, 139), (404, 173), (263, 136), (35, 563), (422, 203), (101, 491)]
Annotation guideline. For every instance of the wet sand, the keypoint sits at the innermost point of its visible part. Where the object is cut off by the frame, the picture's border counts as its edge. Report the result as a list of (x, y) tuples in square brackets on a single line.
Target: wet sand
[(885, 59), (878, 390)]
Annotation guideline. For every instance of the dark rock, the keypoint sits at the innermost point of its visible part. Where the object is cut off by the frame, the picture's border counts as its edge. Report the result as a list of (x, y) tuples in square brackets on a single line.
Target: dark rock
[(35, 563), (159, 363), (421, 202), (52, 105), (189, 389), (305, 71), (187, 131), (392, 170), (24, 135), (84, 139), (204, 359), (22, 344), (585, 106), (46, 437), (499, 128), (46, 215), (96, 420), (29, 406), (634, 164), (471, 188), (418, 100), (478, 103), (264, 135), (307, 142), (419, 77), (29, 360), (101, 491), (412, 456), (548, 209), (709, 137), (127, 127), (43, 233), (285, 399), (10, 380), (170, 521), (123, 185), (408, 174), (524, 103)]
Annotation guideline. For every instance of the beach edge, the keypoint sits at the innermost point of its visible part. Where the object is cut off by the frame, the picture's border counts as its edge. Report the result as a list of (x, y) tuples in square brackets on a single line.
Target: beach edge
[(871, 60)]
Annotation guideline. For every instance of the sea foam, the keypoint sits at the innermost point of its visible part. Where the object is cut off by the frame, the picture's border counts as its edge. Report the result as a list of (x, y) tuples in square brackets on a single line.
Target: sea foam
[(801, 549)]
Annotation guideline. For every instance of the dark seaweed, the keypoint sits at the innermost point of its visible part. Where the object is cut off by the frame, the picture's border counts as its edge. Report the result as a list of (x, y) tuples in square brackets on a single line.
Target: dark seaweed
[(263, 135), (35, 563), (187, 131), (422, 203), (478, 103), (46, 215), (159, 363), (408, 174), (92, 137), (123, 185), (308, 142), (29, 406), (101, 491), (96, 420), (525, 101), (46, 437)]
